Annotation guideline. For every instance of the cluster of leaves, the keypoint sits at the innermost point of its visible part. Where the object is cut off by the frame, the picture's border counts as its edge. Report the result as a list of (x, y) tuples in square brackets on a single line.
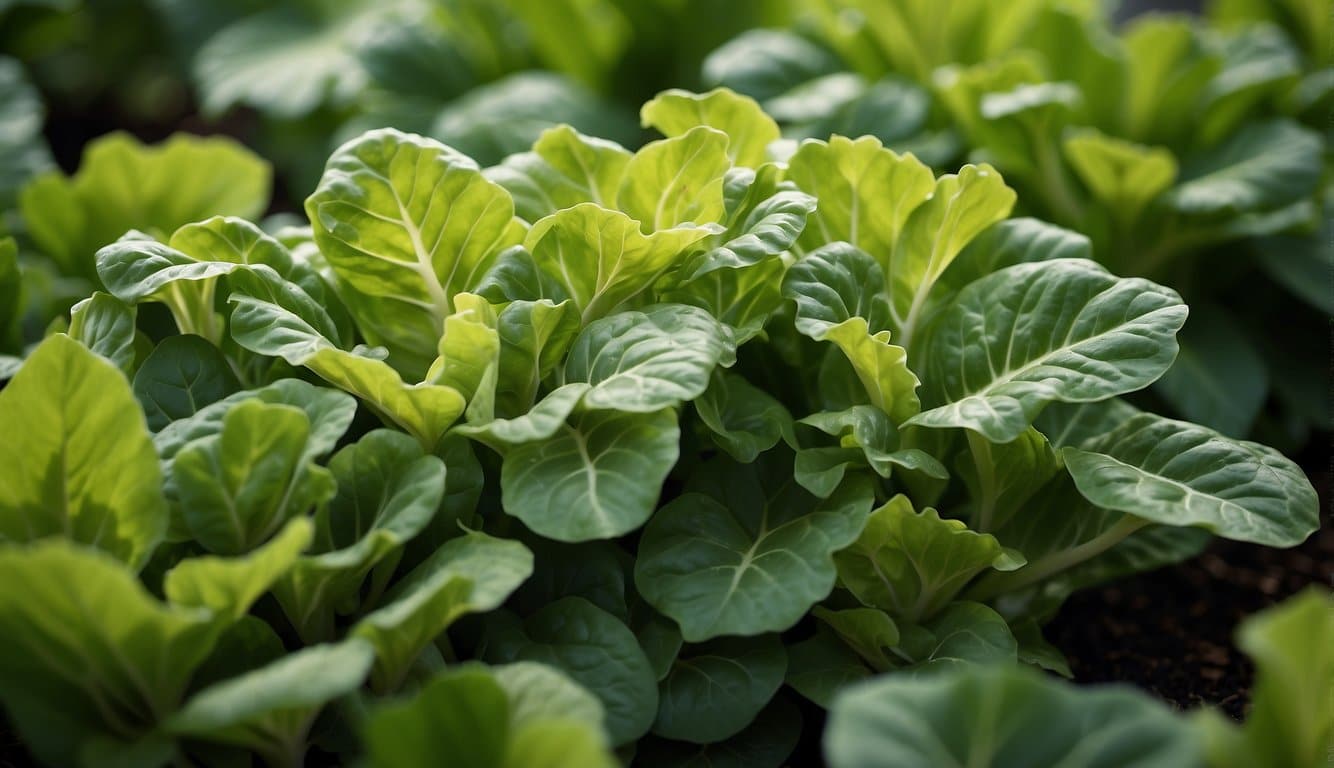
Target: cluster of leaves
[(592, 455), (1192, 152), (1011, 716)]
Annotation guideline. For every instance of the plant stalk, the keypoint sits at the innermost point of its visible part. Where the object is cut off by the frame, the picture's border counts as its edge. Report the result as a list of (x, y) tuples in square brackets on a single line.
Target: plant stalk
[(996, 584)]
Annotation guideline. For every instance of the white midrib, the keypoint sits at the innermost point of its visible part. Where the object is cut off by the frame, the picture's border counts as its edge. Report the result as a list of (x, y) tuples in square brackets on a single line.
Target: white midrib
[(590, 472), (423, 265), (1005, 377)]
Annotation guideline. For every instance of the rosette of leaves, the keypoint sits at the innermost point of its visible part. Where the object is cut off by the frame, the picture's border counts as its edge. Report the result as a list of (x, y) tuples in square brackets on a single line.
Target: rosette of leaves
[(62, 220), (694, 430), (1190, 152)]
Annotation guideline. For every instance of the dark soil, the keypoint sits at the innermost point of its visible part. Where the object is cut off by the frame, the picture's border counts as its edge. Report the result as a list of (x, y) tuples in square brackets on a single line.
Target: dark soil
[(1171, 631)]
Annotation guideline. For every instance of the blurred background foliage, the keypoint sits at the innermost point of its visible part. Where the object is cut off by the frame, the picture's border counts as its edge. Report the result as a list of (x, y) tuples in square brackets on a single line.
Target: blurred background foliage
[(1193, 150)]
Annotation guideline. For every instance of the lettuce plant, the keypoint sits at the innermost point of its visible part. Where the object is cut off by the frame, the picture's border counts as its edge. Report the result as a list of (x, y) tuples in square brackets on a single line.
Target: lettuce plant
[(1189, 152), (60, 221), (1000, 716), (591, 455)]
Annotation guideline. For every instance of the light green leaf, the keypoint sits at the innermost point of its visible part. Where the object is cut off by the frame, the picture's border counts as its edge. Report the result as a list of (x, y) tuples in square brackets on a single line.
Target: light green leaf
[(1005, 106), (184, 274), (388, 491), (266, 327), (137, 269), (1168, 71), (642, 362), (1291, 723), (86, 654), (881, 367), (959, 209), (11, 280), (998, 716), (182, 375), (406, 223), (749, 131), (228, 587), (677, 180), (595, 649), (470, 574), (1123, 177), (601, 258), (541, 422), (540, 691), (534, 337), (744, 551), (470, 355), (564, 169), (1265, 165), (599, 476), (329, 411), (714, 691), (271, 709), (69, 218), (582, 38), (1062, 330), (519, 715), (85, 469), (240, 486), (1180, 474), (105, 325), (866, 192), (743, 420), (463, 711), (912, 564)]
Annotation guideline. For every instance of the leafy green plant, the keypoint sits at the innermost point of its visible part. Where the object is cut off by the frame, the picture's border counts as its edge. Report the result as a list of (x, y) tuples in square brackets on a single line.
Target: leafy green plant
[(1192, 153), (122, 185), (591, 455), (1012, 716), (483, 77)]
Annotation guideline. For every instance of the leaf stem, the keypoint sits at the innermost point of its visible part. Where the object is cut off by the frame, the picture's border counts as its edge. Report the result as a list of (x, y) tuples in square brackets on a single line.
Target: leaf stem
[(980, 448), (1055, 185), (996, 584)]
